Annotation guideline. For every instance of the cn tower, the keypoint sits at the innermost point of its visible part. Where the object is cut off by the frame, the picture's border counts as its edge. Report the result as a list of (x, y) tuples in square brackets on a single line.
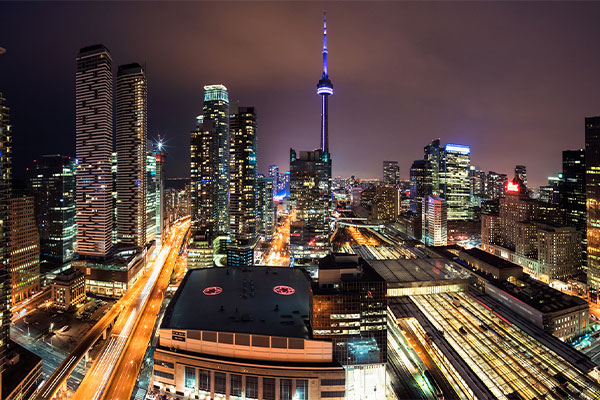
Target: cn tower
[(324, 89)]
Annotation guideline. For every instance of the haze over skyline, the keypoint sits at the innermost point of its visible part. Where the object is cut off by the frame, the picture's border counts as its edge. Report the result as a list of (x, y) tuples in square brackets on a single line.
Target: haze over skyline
[(513, 81)]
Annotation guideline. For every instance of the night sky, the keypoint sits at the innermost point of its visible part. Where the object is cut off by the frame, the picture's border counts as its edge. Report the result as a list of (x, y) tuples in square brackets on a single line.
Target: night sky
[(512, 80)]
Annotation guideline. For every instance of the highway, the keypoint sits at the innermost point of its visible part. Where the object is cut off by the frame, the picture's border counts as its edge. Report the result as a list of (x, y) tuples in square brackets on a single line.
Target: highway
[(124, 376), (96, 382), (128, 302), (507, 360)]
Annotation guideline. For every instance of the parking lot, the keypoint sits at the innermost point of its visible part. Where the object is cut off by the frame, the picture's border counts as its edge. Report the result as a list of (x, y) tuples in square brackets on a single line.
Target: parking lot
[(62, 329)]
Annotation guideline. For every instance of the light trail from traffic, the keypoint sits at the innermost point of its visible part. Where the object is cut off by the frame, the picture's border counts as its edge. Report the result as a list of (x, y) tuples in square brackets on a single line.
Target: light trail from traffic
[(97, 378), (278, 253)]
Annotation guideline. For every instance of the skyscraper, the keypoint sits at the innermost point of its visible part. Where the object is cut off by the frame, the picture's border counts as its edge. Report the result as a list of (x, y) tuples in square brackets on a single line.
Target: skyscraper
[(435, 221), (391, 173), (151, 199), (132, 123), (216, 109), (5, 193), (24, 249), (275, 177), (572, 193), (94, 136), (495, 185), (265, 209), (52, 182), (592, 189), (456, 185), (242, 186), (418, 179), (161, 157), (521, 173), (434, 164), (203, 165)]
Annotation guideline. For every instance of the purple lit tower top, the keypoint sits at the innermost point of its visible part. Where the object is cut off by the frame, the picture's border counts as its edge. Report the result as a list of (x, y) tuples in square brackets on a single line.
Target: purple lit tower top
[(324, 89)]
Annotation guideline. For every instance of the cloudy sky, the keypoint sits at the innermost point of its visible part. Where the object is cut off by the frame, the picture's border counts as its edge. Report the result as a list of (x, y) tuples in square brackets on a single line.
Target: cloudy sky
[(512, 80)]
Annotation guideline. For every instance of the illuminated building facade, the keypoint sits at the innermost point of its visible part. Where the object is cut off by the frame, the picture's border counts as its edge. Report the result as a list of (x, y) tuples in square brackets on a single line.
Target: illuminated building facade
[(132, 125), (434, 221), (433, 157), (265, 208), (349, 308), (161, 157), (310, 195), (5, 194), (391, 173), (572, 193), (94, 141), (532, 234), (592, 189), (495, 185), (152, 214), (52, 182), (242, 186), (418, 179), (456, 185), (216, 109), (386, 206), (203, 164), (68, 289), (24, 249)]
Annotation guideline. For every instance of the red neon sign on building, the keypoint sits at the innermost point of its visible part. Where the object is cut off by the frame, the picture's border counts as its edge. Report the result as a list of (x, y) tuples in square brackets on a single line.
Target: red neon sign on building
[(512, 187)]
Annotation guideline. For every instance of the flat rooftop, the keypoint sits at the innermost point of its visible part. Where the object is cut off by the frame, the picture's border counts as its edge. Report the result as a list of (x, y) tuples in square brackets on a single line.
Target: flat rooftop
[(539, 295), (272, 301), (417, 270), (490, 259)]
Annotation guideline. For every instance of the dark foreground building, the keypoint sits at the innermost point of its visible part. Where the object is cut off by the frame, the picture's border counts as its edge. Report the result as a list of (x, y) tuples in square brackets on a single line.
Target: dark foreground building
[(252, 339)]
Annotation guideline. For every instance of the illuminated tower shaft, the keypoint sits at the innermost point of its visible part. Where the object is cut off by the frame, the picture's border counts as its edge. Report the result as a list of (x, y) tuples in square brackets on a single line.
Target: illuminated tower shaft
[(324, 89)]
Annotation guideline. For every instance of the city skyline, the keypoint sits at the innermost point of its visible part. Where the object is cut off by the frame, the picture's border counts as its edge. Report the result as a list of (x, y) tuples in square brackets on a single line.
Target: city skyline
[(434, 84)]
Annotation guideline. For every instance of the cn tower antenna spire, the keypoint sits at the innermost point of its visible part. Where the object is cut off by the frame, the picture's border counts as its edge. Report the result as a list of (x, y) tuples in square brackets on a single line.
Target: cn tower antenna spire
[(325, 45), (324, 89)]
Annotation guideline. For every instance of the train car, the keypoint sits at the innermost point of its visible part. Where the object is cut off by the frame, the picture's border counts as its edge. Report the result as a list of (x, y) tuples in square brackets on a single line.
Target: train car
[(436, 388)]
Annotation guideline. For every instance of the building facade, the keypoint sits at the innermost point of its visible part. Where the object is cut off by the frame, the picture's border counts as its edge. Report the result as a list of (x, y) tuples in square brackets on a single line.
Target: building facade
[(5, 195), (242, 186), (94, 141), (386, 206), (572, 194), (457, 193), (52, 182), (435, 221), (152, 197), (24, 249), (68, 289), (132, 126), (592, 189), (216, 109), (391, 173), (265, 208)]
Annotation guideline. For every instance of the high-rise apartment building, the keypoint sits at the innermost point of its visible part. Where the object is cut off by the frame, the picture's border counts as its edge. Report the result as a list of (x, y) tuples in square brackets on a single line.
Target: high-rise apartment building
[(5, 195), (275, 177), (456, 186), (216, 109), (132, 125), (242, 186), (265, 209), (203, 185), (52, 183), (24, 249), (434, 221), (151, 197), (161, 157), (94, 137), (592, 189), (391, 173)]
